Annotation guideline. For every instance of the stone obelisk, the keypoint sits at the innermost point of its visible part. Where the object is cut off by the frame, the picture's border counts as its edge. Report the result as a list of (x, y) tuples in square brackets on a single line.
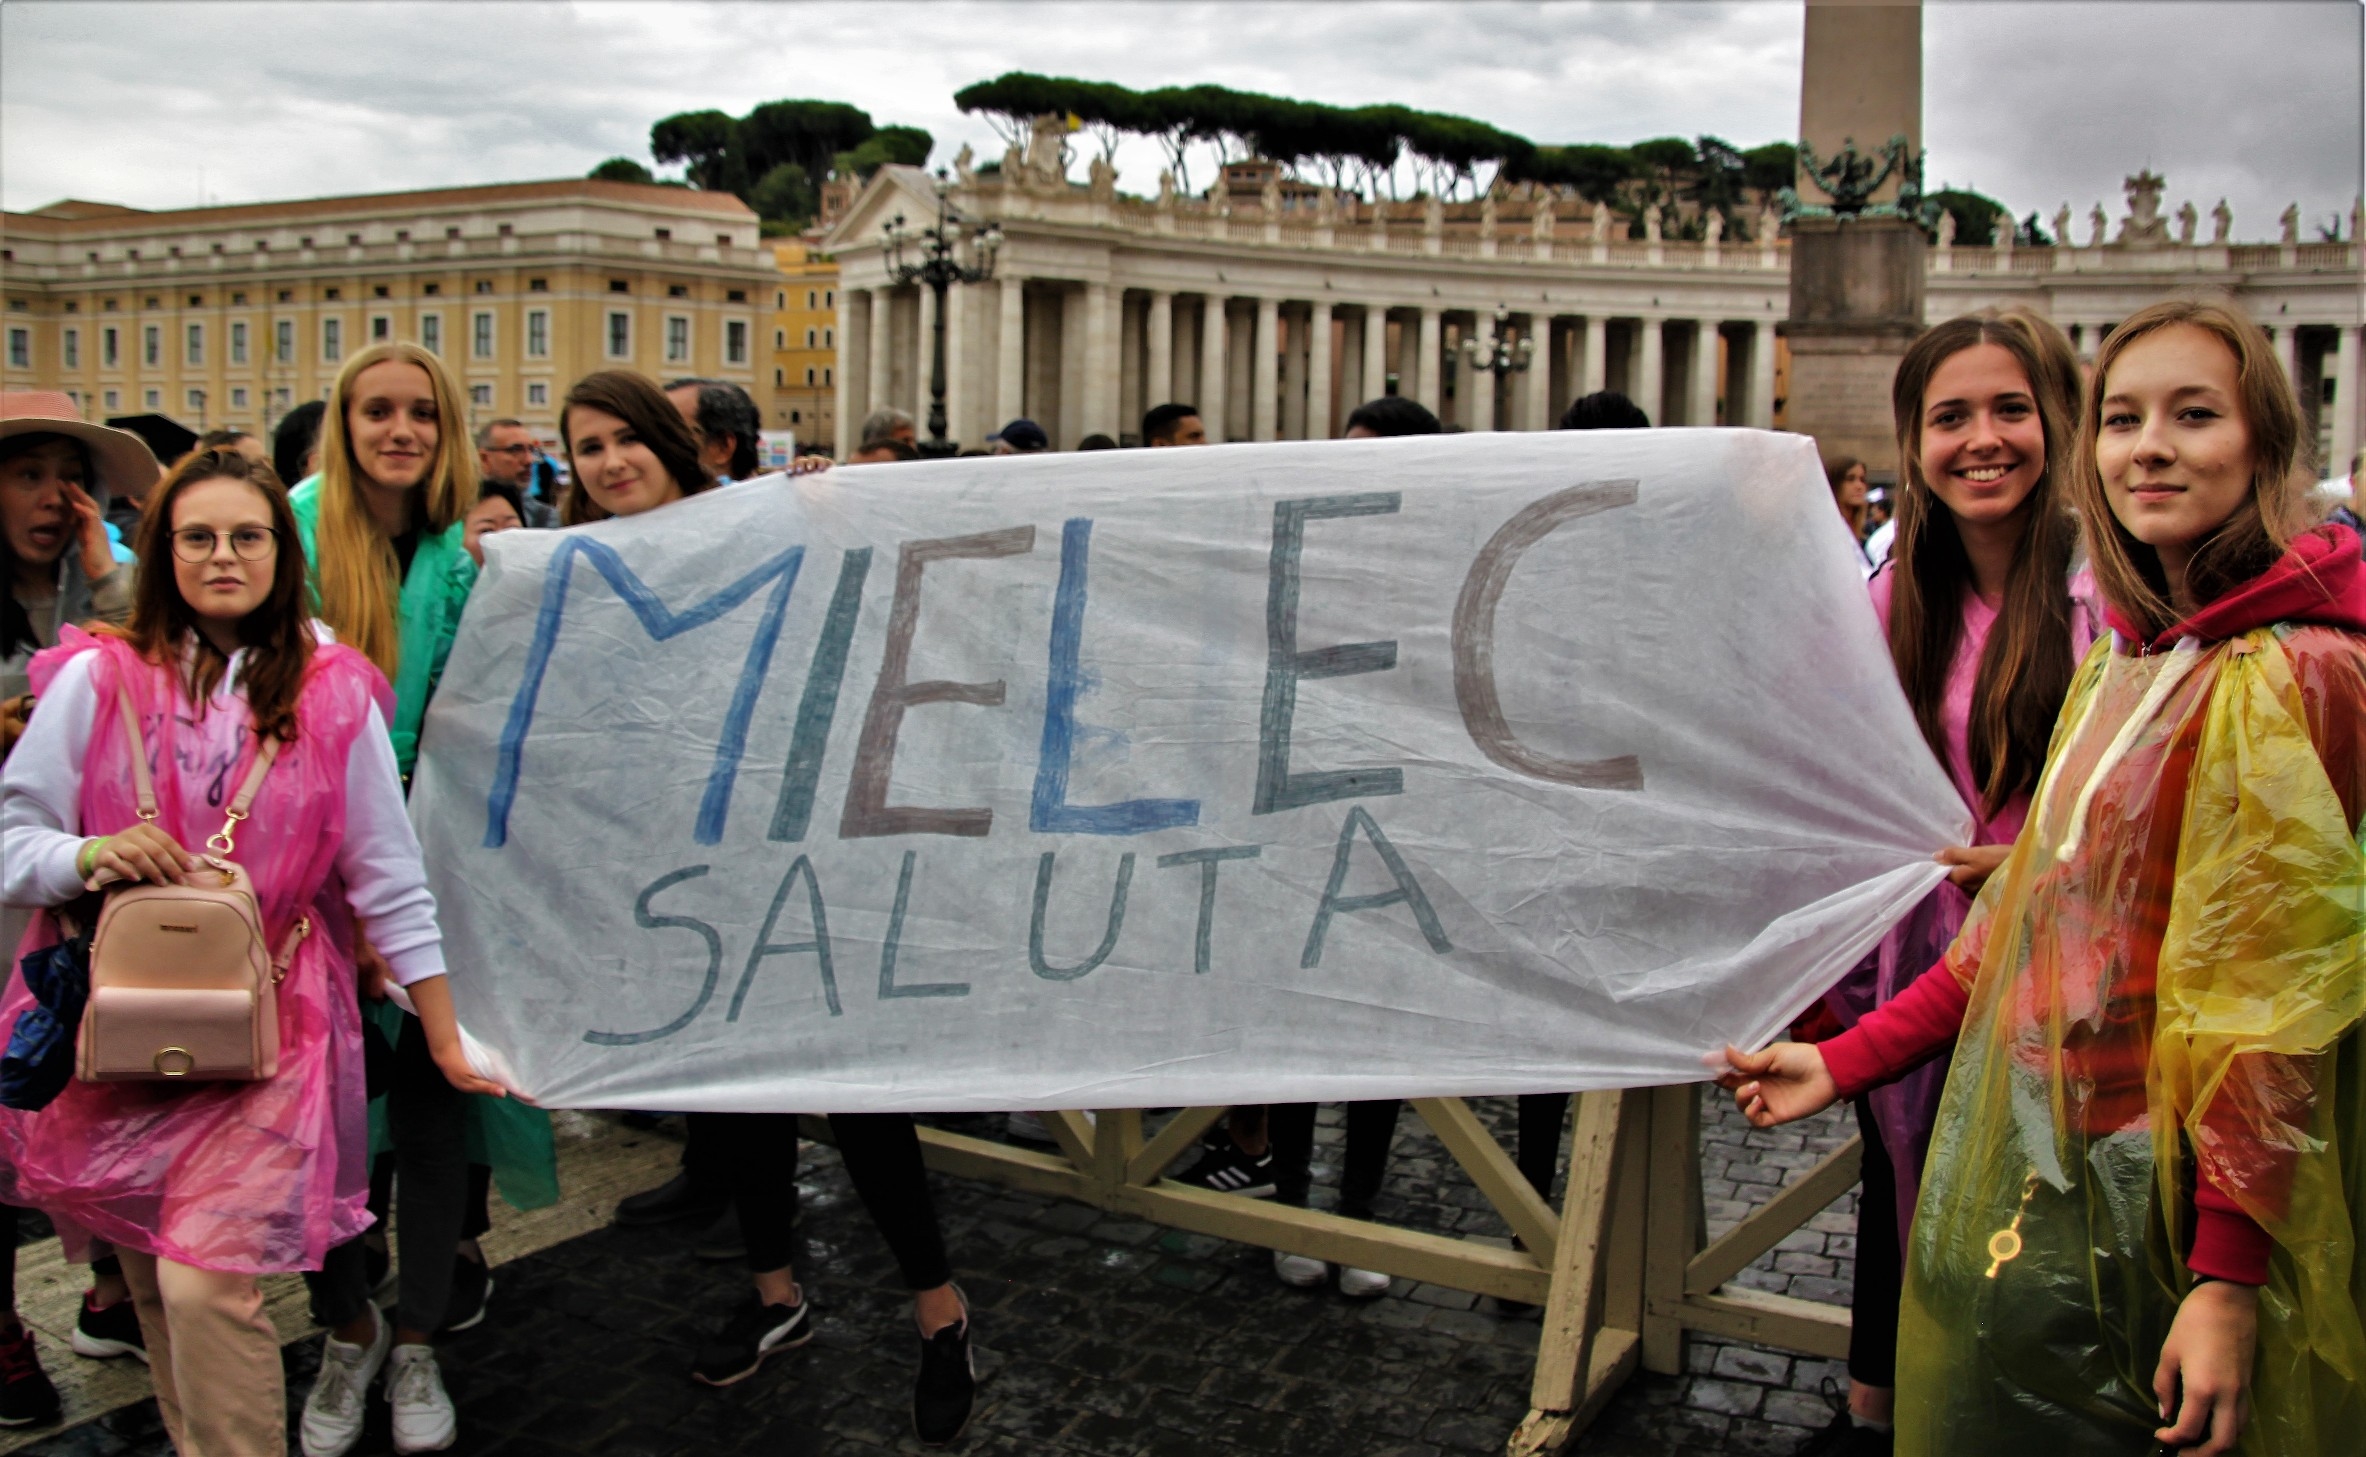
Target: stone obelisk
[(1856, 273)]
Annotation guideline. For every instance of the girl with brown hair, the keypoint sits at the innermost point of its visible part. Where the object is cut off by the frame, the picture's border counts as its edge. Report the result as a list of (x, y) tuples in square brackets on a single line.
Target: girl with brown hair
[(206, 1188), (2141, 1213), (1985, 622)]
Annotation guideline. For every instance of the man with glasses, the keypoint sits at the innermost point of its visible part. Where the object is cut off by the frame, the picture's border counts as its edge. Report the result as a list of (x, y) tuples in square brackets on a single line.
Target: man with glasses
[(506, 451)]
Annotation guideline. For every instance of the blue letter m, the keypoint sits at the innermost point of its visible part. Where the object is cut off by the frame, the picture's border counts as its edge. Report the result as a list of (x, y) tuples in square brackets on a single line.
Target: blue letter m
[(661, 623)]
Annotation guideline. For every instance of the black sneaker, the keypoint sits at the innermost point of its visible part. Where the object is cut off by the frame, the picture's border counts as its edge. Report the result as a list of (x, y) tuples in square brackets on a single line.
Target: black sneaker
[(947, 1388), (753, 1331), (1226, 1169), (26, 1397), (722, 1239), (103, 1333), (472, 1287), (675, 1199)]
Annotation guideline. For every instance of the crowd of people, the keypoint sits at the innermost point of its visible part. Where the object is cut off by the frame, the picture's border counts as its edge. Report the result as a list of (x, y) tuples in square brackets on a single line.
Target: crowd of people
[(2107, 1074)]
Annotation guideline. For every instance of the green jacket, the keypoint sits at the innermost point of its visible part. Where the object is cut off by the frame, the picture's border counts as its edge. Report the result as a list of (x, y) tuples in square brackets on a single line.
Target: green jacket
[(429, 614)]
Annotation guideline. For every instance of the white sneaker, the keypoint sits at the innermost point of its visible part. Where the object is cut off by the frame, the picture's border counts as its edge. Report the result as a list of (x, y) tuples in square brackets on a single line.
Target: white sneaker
[(333, 1412), (423, 1416), (1362, 1284), (1303, 1271)]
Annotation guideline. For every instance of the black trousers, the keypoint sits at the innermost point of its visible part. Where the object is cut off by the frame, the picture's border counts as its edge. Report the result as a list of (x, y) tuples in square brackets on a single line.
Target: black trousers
[(427, 1117), (1371, 1127), (1880, 1284), (754, 1157), (1539, 1151)]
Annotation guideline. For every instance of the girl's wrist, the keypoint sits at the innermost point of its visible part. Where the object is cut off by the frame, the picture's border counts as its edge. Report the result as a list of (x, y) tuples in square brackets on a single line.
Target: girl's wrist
[(86, 860)]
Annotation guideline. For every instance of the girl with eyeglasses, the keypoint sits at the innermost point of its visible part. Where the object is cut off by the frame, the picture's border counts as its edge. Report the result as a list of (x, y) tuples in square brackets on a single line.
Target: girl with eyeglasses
[(205, 1187)]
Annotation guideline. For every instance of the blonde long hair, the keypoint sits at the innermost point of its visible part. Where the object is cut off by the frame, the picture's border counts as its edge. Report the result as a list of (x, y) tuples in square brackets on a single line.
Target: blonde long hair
[(355, 573)]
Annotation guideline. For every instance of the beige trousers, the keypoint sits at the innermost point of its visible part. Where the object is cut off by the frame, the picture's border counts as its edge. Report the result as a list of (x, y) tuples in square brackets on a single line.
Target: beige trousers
[(214, 1356)]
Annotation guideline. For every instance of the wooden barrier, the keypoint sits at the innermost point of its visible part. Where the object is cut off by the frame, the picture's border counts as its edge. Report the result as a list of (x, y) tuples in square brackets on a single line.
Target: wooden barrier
[(1621, 1271)]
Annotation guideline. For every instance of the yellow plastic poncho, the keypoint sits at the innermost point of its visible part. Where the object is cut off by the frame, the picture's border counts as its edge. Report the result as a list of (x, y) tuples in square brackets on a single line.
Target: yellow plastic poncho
[(2165, 982)]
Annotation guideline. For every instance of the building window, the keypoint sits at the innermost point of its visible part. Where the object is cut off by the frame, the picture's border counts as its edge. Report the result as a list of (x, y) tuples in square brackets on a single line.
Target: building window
[(779, 377), (484, 285), (20, 349), (432, 289), (196, 402), (283, 341), (381, 327), (780, 298), (735, 341), (538, 333), (110, 348), (481, 396), (194, 351), (238, 343), (829, 298), (480, 331), (151, 345), (829, 338), (238, 397), (380, 290), (619, 285), (809, 376), (677, 339), (72, 348), (287, 295), (332, 340), (620, 335), (810, 297), (780, 338), (826, 372), (114, 401), (431, 332), (810, 336), (332, 294), (736, 295), (533, 285), (677, 290), (152, 399), (538, 394)]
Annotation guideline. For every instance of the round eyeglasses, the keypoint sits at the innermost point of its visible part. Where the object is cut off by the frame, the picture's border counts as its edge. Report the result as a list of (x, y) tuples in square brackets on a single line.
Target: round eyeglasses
[(249, 543)]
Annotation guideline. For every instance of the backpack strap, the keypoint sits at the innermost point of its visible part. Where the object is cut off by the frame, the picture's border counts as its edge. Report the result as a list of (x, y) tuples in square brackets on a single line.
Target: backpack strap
[(221, 842), (142, 785), (289, 947)]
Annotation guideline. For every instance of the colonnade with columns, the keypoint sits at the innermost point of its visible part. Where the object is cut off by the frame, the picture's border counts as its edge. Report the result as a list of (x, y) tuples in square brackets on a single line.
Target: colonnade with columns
[(1084, 356)]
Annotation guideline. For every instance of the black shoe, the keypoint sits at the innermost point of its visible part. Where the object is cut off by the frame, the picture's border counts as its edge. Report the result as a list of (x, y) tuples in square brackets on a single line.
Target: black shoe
[(1227, 1170), (675, 1199), (722, 1240), (105, 1332), (26, 1397), (472, 1287), (948, 1385), (1844, 1438), (753, 1331)]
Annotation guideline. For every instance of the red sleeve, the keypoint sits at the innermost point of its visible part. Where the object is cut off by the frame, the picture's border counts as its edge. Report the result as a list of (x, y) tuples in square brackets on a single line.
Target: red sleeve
[(1900, 1035), (2227, 1243)]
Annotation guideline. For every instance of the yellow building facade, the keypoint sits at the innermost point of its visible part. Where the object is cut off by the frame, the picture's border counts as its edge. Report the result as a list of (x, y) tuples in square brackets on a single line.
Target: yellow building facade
[(230, 316), (804, 345)]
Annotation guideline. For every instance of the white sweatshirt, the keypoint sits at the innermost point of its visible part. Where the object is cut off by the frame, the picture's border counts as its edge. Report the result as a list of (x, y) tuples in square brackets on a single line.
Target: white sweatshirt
[(41, 815)]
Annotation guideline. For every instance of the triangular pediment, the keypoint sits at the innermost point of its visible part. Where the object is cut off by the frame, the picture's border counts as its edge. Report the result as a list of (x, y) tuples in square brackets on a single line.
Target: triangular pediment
[(893, 189)]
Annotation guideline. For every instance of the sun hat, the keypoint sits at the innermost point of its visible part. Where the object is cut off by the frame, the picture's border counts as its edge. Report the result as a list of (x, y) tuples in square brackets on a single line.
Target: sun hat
[(123, 461)]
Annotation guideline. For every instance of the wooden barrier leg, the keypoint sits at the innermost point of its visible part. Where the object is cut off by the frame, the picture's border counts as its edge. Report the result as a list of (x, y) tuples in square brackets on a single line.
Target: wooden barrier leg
[(1579, 1361), (1673, 1224)]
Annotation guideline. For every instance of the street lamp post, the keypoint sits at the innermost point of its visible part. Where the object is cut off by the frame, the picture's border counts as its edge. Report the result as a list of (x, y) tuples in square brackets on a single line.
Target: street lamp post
[(1501, 358), (939, 268)]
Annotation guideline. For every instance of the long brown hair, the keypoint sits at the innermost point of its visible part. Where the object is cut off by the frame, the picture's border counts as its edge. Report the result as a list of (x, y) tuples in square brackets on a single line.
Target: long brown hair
[(1836, 471), (636, 400), (358, 577), (2126, 570), (277, 635), (2026, 667)]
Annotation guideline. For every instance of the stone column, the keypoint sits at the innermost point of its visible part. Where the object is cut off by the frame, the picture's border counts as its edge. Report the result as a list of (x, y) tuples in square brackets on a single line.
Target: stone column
[(960, 309), (1425, 359), (1596, 364), (1100, 363), (882, 355), (1702, 410), (1650, 368), (1474, 388), (1762, 375), (2343, 367), (1158, 383), (1264, 387), (1291, 423), (1010, 350), (1211, 366), (1318, 370), (1536, 386), (854, 322), (1375, 383), (923, 358), (2288, 350)]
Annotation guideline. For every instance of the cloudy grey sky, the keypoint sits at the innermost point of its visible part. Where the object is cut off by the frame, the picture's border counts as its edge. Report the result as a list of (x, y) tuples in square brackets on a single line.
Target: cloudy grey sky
[(2037, 103)]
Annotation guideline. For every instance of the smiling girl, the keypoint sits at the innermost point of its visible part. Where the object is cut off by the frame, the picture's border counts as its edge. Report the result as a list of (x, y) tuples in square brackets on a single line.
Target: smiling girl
[(202, 1188), (2142, 1209)]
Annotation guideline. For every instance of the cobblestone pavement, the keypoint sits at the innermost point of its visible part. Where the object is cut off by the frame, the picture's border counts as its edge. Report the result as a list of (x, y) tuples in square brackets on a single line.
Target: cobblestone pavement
[(1098, 1335)]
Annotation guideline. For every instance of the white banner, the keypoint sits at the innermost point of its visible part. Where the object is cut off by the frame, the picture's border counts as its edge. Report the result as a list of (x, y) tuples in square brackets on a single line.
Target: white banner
[(1455, 765)]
